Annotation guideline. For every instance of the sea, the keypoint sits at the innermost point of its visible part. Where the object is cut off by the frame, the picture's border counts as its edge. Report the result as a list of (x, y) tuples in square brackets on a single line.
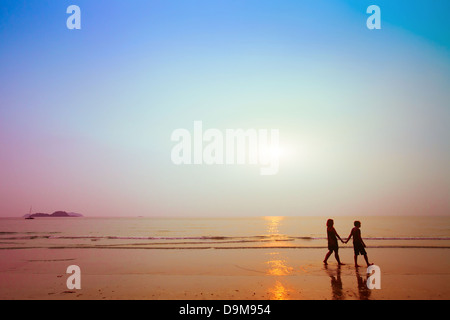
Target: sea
[(163, 233)]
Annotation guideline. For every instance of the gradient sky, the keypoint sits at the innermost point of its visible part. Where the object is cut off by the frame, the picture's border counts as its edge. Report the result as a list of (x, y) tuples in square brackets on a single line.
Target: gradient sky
[(86, 115)]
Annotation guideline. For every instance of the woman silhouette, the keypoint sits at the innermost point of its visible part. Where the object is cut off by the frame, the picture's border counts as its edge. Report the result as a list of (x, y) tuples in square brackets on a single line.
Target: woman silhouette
[(333, 246)]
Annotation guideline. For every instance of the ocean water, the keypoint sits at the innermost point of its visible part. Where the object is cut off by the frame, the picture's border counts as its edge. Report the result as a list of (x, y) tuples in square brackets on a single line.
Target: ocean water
[(219, 233)]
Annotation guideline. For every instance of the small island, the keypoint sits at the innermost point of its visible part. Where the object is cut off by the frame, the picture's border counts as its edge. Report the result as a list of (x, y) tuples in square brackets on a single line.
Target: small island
[(57, 214)]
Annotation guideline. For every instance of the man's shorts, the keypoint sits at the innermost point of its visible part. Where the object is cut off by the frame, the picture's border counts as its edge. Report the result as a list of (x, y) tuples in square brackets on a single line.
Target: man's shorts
[(359, 249)]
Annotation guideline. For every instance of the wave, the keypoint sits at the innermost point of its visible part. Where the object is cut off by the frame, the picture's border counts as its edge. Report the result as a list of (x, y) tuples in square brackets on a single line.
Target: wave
[(381, 238), (25, 237), (29, 236), (124, 247), (243, 238)]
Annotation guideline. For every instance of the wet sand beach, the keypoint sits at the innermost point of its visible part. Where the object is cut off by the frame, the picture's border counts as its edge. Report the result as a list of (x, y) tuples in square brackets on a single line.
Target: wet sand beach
[(272, 274)]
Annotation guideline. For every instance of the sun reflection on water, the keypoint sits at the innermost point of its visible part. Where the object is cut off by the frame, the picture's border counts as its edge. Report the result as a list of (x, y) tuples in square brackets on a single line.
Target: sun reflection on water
[(273, 223), (277, 264), (278, 291)]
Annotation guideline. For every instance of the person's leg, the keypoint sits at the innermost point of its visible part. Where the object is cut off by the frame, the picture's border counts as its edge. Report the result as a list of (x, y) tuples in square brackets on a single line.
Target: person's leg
[(327, 256), (367, 260), (336, 255), (356, 260)]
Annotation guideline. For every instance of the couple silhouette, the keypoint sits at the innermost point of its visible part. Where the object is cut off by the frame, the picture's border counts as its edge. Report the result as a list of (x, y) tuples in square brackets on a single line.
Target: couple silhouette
[(358, 243)]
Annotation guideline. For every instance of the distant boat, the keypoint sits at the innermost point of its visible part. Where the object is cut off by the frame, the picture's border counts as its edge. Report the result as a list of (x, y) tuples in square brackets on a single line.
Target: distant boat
[(29, 215)]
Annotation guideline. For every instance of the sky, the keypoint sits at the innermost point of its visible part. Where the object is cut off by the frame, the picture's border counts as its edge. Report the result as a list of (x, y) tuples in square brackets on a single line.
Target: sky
[(86, 116)]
